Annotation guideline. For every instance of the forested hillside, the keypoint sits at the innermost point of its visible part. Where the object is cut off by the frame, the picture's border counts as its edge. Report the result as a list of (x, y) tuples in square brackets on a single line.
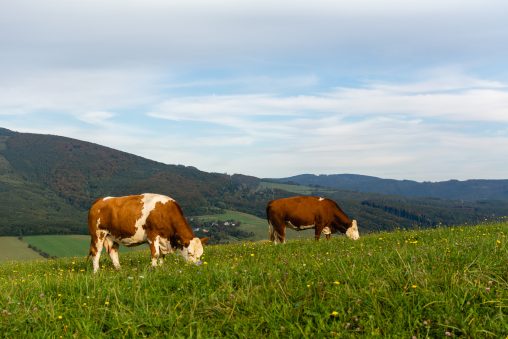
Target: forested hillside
[(48, 182)]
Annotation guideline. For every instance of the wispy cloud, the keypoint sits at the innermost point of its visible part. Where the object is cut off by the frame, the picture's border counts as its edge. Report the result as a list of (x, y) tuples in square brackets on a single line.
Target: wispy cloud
[(96, 117), (75, 91), (463, 99)]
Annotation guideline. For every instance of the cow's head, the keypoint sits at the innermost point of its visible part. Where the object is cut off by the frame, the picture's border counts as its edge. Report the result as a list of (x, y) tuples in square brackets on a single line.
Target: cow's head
[(194, 250), (352, 231)]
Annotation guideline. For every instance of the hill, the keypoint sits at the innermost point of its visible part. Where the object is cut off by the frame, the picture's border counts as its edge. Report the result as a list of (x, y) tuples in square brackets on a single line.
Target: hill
[(48, 182), (469, 190), (447, 282)]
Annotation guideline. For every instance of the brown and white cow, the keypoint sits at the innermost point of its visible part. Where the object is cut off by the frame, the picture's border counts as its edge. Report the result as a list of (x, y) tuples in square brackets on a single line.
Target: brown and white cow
[(302, 212), (136, 219)]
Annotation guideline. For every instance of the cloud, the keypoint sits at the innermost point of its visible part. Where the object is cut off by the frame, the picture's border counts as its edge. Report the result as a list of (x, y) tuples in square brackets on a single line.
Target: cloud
[(427, 129), (421, 129), (243, 35), (445, 99), (96, 117), (75, 91), (481, 104)]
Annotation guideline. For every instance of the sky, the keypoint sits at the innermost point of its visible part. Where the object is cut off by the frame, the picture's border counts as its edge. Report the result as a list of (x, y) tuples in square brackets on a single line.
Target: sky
[(395, 89)]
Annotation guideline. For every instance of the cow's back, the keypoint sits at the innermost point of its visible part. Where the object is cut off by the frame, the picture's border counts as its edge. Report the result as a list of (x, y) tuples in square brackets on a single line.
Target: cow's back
[(300, 210), (116, 214)]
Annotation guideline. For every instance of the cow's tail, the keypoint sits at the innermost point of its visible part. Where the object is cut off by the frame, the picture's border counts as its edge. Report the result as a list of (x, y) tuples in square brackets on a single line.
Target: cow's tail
[(271, 231), (273, 235)]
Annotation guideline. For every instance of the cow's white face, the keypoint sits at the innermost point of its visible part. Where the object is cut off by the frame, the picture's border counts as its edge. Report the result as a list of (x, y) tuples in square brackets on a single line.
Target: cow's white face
[(352, 232), (194, 251)]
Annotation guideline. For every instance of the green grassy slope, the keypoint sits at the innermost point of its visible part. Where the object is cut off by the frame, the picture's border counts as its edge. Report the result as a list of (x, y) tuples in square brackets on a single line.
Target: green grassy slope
[(432, 283), (297, 189), (68, 245), (11, 248), (61, 246)]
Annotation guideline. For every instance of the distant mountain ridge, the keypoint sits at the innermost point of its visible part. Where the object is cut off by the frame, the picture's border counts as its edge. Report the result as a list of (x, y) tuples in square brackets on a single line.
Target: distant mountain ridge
[(469, 190)]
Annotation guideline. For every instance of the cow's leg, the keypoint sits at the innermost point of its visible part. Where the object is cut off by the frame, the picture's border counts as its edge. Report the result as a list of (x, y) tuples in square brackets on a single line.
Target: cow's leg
[(317, 232), (164, 248), (112, 248), (281, 233), (154, 249), (96, 249)]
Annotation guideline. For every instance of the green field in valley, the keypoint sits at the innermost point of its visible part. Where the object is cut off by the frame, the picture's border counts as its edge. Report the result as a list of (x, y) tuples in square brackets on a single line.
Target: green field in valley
[(256, 225), (445, 282), (68, 245), (61, 245), (298, 189), (11, 248)]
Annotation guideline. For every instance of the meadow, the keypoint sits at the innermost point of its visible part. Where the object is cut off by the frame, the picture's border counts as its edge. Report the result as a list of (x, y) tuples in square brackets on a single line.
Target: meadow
[(445, 282)]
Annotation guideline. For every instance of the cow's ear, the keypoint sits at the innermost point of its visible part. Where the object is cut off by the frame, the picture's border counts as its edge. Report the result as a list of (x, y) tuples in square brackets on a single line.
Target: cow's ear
[(204, 240)]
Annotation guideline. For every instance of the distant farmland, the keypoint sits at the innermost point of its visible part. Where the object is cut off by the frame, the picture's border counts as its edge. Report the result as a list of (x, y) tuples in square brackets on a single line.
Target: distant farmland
[(68, 245), (251, 223), (11, 248), (61, 246)]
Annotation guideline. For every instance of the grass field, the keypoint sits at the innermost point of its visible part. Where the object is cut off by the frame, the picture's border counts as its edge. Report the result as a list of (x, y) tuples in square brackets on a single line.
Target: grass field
[(447, 282), (298, 189), (11, 248), (61, 245), (68, 245), (251, 223)]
